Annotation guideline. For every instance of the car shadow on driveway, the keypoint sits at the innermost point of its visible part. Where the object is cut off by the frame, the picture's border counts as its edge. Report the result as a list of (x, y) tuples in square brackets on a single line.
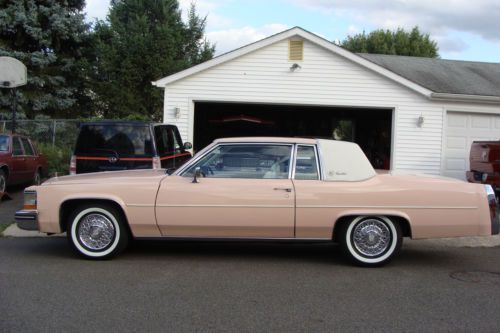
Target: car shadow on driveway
[(160, 252), (232, 250)]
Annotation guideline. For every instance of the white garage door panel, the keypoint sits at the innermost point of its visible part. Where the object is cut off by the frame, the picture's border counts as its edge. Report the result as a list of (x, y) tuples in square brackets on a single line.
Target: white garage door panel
[(461, 130)]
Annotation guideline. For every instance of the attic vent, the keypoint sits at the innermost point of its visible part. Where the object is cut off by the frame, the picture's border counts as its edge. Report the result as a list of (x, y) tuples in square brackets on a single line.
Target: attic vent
[(295, 50)]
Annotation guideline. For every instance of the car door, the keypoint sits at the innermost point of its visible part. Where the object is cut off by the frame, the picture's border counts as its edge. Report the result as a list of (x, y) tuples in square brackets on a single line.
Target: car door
[(244, 191), (169, 146), (19, 163)]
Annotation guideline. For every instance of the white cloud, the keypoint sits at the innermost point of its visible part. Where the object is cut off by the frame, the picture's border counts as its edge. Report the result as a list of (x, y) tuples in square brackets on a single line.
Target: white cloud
[(230, 39), (352, 30), (97, 9), (438, 18), (206, 8)]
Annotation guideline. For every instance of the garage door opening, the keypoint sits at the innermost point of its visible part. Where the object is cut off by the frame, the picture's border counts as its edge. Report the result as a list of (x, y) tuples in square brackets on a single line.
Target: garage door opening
[(370, 128)]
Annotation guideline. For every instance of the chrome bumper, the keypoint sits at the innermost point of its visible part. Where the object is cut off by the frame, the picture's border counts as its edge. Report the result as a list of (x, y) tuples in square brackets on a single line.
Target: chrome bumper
[(27, 219)]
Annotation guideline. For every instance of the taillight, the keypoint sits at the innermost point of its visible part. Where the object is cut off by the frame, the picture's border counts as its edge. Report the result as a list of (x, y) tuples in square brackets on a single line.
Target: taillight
[(72, 165), (156, 162)]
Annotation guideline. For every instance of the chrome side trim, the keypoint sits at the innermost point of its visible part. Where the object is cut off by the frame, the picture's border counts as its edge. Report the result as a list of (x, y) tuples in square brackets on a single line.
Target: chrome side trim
[(388, 207), (140, 205), (227, 206)]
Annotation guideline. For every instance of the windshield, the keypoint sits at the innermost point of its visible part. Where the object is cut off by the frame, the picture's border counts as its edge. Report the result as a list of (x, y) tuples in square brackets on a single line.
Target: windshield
[(122, 140), (4, 143)]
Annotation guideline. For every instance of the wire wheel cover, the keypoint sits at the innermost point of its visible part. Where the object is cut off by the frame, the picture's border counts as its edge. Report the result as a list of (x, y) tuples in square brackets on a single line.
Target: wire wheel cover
[(371, 237), (96, 231)]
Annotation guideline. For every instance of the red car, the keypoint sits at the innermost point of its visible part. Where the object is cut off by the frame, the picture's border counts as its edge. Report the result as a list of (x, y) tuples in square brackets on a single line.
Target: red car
[(19, 161), (485, 164)]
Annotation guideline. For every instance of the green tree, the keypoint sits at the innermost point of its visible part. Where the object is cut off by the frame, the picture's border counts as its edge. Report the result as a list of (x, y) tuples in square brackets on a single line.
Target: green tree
[(399, 42), (142, 41), (49, 37)]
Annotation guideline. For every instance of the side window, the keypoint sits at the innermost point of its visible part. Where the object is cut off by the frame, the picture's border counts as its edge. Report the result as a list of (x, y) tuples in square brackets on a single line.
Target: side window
[(17, 149), (245, 161), (306, 167), (27, 147), (166, 141), (177, 141)]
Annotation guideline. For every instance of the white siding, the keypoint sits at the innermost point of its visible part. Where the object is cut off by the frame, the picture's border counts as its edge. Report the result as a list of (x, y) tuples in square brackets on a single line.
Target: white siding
[(325, 78)]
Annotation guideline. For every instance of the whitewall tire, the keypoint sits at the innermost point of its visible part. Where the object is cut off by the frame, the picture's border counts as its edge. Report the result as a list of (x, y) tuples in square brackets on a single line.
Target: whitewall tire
[(371, 240), (97, 231)]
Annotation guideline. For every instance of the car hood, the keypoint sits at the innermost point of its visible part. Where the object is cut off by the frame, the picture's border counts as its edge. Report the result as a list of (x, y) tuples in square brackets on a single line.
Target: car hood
[(111, 177)]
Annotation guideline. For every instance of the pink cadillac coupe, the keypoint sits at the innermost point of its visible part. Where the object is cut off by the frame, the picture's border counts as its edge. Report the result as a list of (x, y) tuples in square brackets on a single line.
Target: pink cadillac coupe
[(262, 189)]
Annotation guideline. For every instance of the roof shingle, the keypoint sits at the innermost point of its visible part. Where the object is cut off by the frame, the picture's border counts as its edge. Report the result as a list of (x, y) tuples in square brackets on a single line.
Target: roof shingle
[(443, 76)]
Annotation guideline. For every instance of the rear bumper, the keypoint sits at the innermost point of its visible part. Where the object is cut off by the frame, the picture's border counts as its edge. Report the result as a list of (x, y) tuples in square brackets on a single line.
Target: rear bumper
[(27, 219)]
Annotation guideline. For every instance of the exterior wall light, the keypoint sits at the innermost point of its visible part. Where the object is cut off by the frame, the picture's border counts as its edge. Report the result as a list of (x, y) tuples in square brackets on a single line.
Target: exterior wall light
[(294, 67), (177, 112), (420, 121)]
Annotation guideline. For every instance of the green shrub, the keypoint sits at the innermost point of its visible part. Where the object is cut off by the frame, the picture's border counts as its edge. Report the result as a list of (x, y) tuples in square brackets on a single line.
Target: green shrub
[(58, 158)]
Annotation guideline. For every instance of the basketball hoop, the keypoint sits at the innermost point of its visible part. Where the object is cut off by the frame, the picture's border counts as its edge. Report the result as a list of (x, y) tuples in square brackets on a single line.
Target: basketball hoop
[(13, 74)]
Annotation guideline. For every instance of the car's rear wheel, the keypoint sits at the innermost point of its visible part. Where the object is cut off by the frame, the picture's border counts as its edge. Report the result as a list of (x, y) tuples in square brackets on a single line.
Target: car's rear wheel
[(371, 240), (3, 181), (97, 231)]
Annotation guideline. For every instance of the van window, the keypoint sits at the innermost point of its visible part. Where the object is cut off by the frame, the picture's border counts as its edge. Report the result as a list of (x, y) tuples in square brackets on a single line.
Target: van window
[(124, 140), (167, 140)]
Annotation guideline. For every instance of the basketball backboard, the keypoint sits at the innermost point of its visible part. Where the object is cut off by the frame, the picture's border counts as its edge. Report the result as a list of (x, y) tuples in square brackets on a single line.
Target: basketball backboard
[(13, 73)]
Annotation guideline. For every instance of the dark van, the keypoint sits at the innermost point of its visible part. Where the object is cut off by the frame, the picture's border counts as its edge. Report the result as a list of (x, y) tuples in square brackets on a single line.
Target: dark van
[(122, 145)]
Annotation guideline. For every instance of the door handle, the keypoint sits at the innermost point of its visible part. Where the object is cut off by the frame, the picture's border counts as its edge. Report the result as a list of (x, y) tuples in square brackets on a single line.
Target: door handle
[(286, 189)]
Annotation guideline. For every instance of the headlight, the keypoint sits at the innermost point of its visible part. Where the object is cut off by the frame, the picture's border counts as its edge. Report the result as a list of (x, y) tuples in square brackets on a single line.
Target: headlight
[(29, 200)]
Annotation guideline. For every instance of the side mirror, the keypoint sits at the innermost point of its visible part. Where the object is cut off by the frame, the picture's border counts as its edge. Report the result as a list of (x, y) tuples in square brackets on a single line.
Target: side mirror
[(197, 173), (188, 145)]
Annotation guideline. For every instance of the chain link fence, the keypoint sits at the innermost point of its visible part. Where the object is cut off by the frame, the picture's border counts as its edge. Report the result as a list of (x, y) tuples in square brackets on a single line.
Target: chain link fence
[(55, 138), (54, 132)]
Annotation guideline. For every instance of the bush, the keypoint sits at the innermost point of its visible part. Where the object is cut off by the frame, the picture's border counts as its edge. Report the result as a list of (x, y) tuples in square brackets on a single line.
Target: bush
[(58, 158)]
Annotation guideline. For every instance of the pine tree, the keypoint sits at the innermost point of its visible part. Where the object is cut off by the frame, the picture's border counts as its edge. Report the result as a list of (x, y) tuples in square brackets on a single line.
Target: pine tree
[(49, 37), (142, 41), (399, 42)]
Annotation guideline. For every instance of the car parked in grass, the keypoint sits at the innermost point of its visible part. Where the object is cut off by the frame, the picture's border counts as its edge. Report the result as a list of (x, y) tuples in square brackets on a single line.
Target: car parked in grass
[(262, 189), (114, 145), (20, 162)]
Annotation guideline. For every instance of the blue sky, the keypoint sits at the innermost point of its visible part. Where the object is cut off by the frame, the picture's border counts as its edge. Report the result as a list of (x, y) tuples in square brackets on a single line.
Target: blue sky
[(464, 29)]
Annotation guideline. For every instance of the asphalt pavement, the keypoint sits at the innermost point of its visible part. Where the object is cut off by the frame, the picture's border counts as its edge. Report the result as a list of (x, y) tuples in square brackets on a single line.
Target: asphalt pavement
[(245, 287)]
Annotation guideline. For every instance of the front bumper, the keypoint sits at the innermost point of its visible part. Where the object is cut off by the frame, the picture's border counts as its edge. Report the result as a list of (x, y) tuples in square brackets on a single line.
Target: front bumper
[(27, 219)]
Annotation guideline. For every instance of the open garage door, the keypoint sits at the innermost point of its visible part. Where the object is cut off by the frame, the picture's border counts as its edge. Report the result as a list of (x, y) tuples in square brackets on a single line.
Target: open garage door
[(370, 128)]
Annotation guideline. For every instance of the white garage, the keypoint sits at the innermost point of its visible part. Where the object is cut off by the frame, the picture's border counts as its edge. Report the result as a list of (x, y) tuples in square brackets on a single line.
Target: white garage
[(406, 113)]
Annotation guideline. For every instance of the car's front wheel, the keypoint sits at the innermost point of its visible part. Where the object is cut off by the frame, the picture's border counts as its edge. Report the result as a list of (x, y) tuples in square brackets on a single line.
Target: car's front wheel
[(371, 240), (97, 231)]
